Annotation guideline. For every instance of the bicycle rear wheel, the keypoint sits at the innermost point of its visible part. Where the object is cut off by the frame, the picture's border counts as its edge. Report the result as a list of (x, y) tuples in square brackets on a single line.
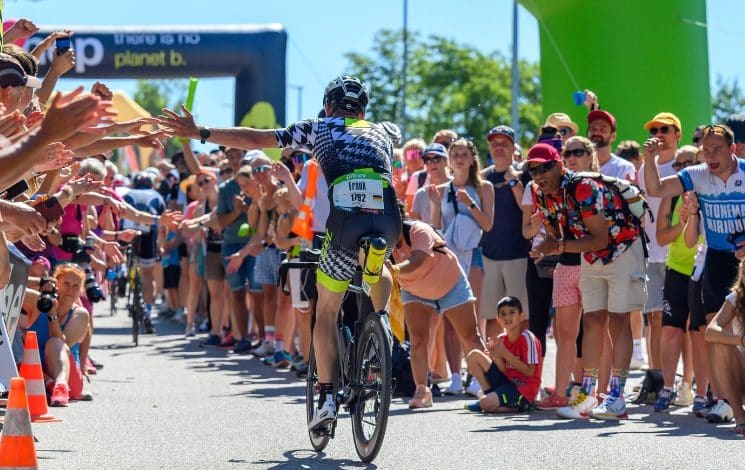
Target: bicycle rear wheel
[(373, 373), (318, 440)]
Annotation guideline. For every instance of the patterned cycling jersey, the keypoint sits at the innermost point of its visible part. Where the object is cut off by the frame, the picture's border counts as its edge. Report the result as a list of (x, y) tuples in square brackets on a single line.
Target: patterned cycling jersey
[(342, 145), (722, 202)]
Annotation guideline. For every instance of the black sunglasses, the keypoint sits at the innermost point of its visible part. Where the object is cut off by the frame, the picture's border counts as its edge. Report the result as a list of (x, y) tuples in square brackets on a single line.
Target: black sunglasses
[(446, 143), (225, 171), (201, 183), (262, 168), (542, 168), (663, 129), (574, 153), (428, 160), (685, 164), (564, 131)]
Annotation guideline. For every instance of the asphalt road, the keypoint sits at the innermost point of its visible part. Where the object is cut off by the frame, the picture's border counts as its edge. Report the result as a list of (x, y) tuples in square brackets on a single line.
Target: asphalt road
[(170, 404)]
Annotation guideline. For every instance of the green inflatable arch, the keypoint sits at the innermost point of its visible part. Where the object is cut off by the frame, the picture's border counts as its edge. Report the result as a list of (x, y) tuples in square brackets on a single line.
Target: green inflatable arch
[(641, 57)]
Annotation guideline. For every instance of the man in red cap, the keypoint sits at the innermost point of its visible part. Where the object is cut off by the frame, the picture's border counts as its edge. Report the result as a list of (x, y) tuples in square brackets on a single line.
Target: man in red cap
[(601, 130), (583, 215)]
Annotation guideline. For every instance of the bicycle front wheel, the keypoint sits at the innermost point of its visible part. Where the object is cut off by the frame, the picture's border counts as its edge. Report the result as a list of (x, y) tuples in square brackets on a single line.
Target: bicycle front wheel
[(373, 374), (318, 439)]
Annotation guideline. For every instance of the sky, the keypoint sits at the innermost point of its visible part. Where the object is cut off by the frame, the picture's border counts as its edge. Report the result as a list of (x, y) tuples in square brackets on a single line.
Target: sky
[(320, 32)]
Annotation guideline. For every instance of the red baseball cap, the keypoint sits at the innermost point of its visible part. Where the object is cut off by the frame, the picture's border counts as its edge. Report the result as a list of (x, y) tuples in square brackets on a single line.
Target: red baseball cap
[(604, 115), (542, 153)]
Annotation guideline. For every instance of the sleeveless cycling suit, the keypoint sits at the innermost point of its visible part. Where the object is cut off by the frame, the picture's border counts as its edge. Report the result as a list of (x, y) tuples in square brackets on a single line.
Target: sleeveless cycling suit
[(355, 158)]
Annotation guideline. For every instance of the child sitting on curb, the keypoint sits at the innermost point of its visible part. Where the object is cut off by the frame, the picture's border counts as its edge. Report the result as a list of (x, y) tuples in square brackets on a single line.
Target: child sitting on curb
[(510, 369)]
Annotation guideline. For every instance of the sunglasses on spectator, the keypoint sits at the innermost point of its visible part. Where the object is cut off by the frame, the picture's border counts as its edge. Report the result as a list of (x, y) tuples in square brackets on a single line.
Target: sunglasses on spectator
[(429, 160), (542, 168), (262, 168), (575, 153), (445, 143), (684, 164), (662, 129), (226, 171), (565, 131), (413, 154), (203, 182), (398, 164), (300, 157)]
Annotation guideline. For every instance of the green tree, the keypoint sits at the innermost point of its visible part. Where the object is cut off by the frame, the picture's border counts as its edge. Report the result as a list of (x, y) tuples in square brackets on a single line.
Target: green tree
[(449, 85), (154, 95), (728, 99)]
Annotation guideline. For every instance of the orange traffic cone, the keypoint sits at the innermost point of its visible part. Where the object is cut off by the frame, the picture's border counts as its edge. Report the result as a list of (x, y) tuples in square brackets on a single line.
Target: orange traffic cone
[(31, 371), (17, 449)]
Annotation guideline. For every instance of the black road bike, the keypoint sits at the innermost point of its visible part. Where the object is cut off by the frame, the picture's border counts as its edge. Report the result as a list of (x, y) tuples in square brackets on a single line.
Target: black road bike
[(363, 379)]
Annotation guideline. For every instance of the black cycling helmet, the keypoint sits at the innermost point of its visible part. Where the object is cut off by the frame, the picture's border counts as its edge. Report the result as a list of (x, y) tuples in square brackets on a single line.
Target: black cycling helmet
[(393, 131), (348, 93)]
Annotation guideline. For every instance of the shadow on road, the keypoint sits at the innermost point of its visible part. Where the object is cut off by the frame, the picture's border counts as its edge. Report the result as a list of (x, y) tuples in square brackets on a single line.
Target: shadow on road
[(301, 458)]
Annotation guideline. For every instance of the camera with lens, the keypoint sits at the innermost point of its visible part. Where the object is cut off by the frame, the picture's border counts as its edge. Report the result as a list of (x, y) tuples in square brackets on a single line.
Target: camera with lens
[(92, 288), (45, 302)]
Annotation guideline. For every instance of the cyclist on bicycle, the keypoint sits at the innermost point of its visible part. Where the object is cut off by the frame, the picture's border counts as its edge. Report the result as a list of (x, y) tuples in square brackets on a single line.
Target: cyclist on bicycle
[(355, 157)]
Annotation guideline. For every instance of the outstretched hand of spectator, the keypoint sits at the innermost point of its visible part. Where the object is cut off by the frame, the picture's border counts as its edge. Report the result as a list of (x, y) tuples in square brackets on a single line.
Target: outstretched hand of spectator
[(56, 156), (102, 91), (34, 119), (63, 63), (73, 111), (47, 42), (281, 172), (127, 235), (171, 219), (34, 243), (178, 126), (22, 29), (86, 184), (113, 253), (151, 140), (12, 124)]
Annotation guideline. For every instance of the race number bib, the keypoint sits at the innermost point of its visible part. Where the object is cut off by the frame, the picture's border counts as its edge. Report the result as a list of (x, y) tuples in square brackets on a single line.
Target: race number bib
[(362, 189)]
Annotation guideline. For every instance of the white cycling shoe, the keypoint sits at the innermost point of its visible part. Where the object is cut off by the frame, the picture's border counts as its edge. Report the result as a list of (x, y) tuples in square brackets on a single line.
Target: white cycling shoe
[(324, 415)]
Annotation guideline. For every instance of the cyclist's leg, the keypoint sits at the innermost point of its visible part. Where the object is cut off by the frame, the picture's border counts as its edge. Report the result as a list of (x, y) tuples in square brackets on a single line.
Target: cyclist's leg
[(324, 332), (147, 270)]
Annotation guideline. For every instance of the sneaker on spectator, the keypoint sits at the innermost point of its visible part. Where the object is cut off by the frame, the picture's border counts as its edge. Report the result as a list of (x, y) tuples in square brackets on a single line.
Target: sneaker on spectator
[(473, 388), (579, 407), (664, 399), (720, 413), (613, 407), (474, 406), (422, 397), (302, 371), (60, 395), (148, 329), (95, 363), (704, 410), (281, 359), (266, 349), (167, 312), (552, 402), (242, 347), (228, 342), (204, 326), (637, 362), (190, 332), (180, 315), (683, 395), (212, 340), (454, 389), (699, 404), (297, 361)]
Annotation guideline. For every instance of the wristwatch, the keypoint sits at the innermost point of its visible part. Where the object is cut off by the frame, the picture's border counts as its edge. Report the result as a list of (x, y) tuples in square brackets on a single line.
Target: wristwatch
[(51, 318), (204, 134), (512, 183), (562, 245)]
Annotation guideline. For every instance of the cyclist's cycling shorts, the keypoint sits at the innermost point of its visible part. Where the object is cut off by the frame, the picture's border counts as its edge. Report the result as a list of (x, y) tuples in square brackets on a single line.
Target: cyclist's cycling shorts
[(340, 252), (146, 249)]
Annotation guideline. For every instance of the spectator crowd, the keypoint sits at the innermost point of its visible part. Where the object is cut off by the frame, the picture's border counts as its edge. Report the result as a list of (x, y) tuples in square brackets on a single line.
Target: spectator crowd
[(603, 251)]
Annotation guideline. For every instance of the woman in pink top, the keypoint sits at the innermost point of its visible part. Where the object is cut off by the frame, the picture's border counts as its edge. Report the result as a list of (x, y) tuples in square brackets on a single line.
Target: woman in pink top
[(432, 281)]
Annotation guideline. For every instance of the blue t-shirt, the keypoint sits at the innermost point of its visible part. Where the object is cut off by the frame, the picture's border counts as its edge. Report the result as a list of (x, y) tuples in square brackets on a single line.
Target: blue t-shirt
[(226, 192), (722, 202), (171, 258)]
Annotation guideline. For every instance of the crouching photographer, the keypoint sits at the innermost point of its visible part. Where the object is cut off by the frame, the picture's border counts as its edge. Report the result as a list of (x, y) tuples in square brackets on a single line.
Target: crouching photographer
[(60, 323), (81, 256)]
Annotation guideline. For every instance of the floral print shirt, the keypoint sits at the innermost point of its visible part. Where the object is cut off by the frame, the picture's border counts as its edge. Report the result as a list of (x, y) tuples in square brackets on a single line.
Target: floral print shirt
[(592, 198)]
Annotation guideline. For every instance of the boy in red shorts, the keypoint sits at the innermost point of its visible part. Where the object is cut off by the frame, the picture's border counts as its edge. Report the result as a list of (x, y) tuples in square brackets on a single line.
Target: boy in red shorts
[(511, 367)]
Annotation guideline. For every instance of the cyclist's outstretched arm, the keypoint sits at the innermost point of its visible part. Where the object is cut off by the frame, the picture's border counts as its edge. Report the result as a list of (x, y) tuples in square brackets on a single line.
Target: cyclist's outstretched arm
[(236, 137)]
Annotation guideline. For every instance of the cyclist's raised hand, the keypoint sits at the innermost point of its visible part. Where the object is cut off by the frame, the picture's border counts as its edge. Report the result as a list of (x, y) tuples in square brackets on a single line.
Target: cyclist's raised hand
[(178, 126)]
